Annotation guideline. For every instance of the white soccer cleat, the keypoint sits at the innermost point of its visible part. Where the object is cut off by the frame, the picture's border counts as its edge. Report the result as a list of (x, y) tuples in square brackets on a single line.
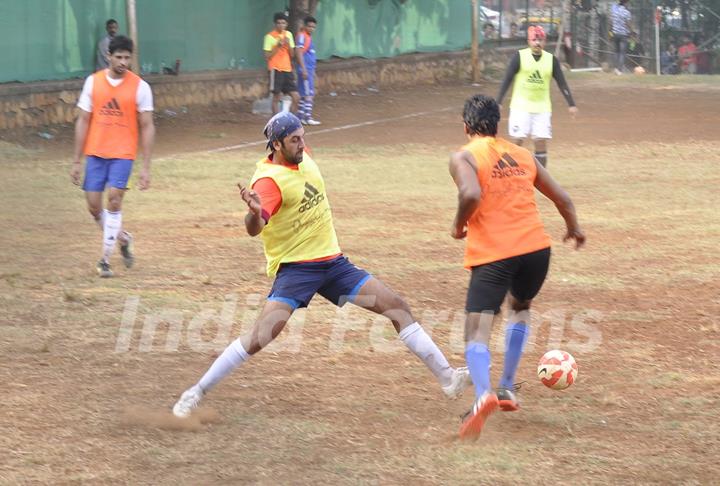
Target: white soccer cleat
[(460, 380), (189, 400), (312, 122)]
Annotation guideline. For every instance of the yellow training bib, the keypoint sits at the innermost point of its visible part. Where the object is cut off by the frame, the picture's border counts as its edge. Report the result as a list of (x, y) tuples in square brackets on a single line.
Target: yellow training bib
[(531, 86), (302, 229)]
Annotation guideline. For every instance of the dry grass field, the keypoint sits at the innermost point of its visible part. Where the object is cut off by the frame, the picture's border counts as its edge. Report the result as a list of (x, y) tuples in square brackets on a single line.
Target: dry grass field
[(87, 393)]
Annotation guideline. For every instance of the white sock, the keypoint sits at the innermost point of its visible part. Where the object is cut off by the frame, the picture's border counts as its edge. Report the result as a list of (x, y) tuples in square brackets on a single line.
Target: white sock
[(112, 223), (233, 356), (418, 341)]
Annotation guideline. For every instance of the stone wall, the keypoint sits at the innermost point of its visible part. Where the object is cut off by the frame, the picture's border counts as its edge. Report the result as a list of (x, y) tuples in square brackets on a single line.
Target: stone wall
[(53, 102)]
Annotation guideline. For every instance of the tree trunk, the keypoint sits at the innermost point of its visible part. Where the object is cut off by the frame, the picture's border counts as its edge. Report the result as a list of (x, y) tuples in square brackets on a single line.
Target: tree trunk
[(299, 9), (131, 13), (474, 48)]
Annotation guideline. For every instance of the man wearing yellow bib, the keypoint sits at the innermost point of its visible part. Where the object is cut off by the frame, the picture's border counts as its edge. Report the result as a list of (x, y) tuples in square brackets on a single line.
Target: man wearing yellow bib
[(288, 207), (529, 72)]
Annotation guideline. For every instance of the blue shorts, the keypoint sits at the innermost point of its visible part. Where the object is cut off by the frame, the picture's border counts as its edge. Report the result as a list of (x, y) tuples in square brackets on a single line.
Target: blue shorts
[(101, 172), (338, 280), (306, 87)]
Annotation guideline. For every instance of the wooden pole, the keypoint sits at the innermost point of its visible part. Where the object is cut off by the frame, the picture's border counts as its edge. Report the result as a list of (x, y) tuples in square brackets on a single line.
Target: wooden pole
[(132, 29), (561, 31), (474, 48), (658, 14)]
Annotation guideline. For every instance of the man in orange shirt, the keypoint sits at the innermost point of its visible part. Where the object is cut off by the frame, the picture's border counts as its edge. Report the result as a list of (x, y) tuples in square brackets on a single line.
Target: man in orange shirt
[(279, 48), (112, 104), (687, 55), (507, 248)]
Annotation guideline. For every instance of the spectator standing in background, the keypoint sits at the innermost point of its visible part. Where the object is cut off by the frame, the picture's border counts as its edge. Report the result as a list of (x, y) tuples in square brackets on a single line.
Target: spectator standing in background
[(620, 18), (278, 48), (668, 60), (306, 62), (101, 61), (688, 56), (488, 32)]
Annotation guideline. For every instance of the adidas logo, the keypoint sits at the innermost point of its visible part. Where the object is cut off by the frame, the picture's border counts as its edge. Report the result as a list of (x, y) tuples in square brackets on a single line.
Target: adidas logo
[(535, 77), (312, 198), (111, 108), (507, 167)]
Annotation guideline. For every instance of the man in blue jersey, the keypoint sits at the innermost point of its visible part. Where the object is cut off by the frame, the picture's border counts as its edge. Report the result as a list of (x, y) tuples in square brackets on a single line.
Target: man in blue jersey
[(306, 62)]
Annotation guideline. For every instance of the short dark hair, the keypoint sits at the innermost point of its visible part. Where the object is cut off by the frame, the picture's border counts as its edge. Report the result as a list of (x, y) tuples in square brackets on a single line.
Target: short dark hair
[(310, 20), (481, 115), (279, 16), (110, 22), (120, 43)]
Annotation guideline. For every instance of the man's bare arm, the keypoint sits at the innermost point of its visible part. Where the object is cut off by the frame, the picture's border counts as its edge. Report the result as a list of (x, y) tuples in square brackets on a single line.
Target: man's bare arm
[(545, 183), (81, 129), (147, 140), (464, 173), (254, 222)]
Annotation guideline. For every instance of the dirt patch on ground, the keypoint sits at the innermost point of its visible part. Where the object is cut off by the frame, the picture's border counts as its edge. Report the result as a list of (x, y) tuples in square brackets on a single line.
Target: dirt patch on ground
[(625, 113)]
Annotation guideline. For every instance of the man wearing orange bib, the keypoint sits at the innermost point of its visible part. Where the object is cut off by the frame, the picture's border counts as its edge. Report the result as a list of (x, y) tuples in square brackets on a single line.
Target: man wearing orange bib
[(507, 249), (279, 49), (288, 207), (112, 104)]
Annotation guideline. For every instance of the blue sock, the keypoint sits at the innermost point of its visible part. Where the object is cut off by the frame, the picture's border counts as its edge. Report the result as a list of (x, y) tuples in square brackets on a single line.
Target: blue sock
[(515, 338), (477, 357)]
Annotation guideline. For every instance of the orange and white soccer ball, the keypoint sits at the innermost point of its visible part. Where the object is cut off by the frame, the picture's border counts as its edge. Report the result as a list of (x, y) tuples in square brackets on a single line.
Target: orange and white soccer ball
[(557, 369), (639, 70)]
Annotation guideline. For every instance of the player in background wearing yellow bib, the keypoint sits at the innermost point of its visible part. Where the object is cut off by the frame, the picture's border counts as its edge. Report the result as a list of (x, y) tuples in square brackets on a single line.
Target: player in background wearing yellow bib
[(288, 207), (529, 72)]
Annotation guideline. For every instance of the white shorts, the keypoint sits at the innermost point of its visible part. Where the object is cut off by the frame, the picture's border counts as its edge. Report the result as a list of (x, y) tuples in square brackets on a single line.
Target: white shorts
[(522, 124)]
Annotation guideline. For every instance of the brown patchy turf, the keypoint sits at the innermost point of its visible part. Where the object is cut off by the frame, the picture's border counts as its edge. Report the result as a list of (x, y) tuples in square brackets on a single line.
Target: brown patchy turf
[(641, 163)]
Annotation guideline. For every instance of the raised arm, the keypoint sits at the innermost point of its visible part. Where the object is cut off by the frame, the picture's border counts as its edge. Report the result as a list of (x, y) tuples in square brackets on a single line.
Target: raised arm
[(545, 183), (254, 222), (271, 46), (464, 173)]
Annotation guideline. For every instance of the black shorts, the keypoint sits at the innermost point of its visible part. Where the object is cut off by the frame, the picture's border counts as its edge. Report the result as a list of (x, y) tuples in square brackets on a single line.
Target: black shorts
[(282, 82), (522, 275)]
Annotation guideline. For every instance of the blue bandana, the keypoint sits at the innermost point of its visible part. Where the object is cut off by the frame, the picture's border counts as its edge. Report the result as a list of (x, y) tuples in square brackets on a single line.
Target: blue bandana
[(280, 126)]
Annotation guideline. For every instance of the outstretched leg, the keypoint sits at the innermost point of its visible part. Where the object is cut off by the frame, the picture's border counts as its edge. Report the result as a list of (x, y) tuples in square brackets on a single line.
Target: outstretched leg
[(267, 327), (378, 298)]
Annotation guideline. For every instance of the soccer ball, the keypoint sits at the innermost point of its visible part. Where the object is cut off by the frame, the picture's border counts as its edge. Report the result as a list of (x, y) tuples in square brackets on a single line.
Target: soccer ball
[(557, 369), (639, 70)]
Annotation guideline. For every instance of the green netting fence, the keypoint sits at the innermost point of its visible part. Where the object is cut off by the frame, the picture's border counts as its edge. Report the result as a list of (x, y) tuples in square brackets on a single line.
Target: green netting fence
[(56, 39)]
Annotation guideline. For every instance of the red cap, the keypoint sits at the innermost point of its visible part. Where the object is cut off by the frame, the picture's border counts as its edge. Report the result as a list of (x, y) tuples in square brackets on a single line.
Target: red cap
[(535, 32)]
